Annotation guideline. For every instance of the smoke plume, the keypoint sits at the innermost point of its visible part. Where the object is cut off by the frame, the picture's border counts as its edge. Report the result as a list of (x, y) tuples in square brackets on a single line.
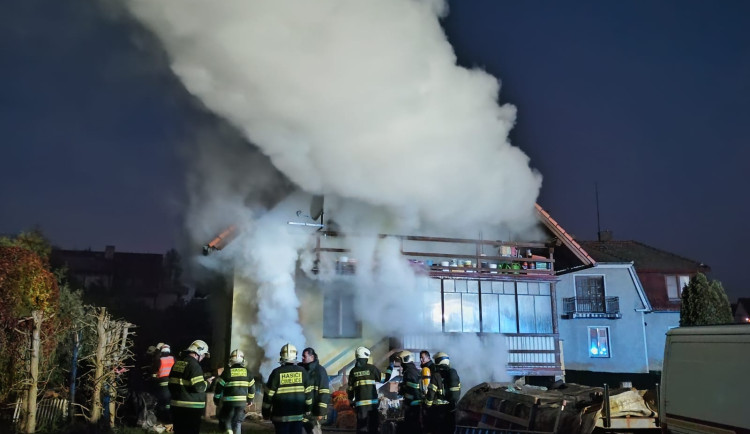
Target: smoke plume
[(361, 101)]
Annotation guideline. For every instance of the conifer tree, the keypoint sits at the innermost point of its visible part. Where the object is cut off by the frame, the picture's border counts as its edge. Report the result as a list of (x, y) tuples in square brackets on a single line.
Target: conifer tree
[(704, 303)]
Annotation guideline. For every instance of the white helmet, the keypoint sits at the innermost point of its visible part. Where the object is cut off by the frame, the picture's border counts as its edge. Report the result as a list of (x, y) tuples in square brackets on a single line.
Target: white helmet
[(288, 353), (237, 357), (442, 359), (404, 357), (199, 347), (362, 353), (165, 349)]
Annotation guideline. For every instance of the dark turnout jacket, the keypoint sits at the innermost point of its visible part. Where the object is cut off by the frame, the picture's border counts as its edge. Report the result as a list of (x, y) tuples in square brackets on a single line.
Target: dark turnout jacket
[(409, 387), (186, 384), (235, 387), (288, 394), (321, 392), (451, 384), (362, 378)]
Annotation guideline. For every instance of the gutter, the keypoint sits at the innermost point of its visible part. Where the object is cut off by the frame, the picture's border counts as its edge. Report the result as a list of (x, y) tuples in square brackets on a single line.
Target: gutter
[(639, 288)]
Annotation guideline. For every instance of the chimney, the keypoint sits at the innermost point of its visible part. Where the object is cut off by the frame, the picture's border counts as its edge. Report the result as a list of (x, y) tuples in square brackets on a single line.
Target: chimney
[(109, 252), (605, 235)]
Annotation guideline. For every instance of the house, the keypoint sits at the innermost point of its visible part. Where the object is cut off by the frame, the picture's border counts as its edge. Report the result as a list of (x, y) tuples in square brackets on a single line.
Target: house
[(615, 315), (499, 294), (111, 275)]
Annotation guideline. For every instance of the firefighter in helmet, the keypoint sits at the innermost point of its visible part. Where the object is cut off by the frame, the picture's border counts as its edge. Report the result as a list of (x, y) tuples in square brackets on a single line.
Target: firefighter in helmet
[(287, 398), (188, 389), (362, 391), (160, 369), (235, 390), (412, 393), (445, 404)]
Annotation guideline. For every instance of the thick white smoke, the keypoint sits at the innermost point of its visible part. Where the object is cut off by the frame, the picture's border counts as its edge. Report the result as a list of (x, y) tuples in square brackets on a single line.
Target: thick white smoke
[(361, 101)]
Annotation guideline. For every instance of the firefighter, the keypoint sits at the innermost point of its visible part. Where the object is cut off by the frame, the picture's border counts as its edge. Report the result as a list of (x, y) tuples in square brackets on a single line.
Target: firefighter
[(432, 388), (188, 389), (411, 392), (160, 369), (363, 393), (235, 389), (288, 394), (446, 404), (321, 392)]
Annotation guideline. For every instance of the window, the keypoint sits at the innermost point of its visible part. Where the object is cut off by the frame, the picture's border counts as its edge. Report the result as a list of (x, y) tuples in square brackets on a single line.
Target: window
[(338, 317), (599, 342), (457, 305), (590, 293), (675, 282)]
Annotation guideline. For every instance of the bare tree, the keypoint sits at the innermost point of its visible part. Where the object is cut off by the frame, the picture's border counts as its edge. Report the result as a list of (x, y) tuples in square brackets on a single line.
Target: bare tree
[(108, 362)]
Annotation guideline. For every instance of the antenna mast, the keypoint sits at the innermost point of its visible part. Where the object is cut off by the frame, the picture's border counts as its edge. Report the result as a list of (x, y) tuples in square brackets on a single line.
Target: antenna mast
[(598, 222)]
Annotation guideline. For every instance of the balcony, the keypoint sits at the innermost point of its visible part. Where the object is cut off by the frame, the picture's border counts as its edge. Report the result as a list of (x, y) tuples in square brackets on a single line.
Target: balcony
[(527, 353), (591, 307), (448, 257)]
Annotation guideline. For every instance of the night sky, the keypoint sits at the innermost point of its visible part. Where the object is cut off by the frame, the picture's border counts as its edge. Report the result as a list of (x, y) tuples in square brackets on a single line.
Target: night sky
[(647, 99)]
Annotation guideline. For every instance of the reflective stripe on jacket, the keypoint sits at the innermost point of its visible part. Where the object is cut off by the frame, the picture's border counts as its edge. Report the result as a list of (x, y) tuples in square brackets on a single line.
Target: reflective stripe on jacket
[(186, 384), (321, 392), (235, 387), (362, 378), (288, 394)]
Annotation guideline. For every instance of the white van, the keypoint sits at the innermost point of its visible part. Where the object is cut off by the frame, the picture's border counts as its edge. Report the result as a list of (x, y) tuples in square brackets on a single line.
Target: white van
[(705, 381)]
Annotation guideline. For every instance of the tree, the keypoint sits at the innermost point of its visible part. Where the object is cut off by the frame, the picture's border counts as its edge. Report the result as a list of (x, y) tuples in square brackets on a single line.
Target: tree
[(30, 296), (704, 303)]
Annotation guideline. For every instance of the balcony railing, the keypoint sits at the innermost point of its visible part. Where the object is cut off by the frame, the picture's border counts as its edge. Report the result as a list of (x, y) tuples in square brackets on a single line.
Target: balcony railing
[(591, 307), (528, 353)]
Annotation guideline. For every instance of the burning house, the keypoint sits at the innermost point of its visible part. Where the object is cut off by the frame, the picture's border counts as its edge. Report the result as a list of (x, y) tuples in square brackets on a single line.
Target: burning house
[(431, 237), (488, 302)]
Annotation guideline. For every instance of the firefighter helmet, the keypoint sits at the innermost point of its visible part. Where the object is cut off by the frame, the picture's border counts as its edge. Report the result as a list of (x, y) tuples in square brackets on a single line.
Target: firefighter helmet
[(237, 357), (288, 353), (199, 347), (404, 357), (362, 353), (442, 359)]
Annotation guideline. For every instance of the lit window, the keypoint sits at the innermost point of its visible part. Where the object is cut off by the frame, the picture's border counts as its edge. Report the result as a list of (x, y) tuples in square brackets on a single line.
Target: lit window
[(675, 285), (599, 342)]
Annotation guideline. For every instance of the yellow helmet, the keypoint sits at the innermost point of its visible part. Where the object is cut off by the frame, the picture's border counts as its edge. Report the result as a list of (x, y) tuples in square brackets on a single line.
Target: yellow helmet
[(362, 353), (199, 347), (237, 358), (288, 353), (442, 359), (404, 357)]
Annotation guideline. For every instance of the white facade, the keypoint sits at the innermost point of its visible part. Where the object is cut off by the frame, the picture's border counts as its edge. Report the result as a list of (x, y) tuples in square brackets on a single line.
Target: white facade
[(603, 337)]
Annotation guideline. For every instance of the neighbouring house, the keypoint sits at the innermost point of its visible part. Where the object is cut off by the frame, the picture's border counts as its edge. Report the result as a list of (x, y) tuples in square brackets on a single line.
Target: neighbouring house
[(615, 315), (113, 276), (741, 310), (501, 291)]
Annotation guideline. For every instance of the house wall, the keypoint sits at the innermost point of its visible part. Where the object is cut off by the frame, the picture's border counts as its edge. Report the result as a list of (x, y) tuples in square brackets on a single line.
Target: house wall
[(628, 347), (334, 353), (657, 325)]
